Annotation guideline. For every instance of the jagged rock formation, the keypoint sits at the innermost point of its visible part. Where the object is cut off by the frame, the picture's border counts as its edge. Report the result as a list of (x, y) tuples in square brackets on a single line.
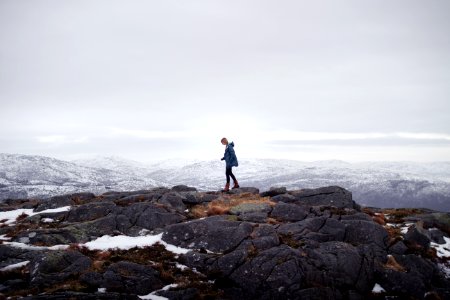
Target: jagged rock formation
[(280, 244)]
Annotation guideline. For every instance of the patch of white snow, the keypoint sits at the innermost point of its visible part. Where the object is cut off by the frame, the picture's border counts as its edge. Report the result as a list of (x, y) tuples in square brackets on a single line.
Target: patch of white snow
[(377, 289), (15, 266)]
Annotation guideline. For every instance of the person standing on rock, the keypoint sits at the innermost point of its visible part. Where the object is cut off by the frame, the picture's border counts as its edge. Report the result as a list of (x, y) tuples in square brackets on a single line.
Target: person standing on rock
[(231, 161)]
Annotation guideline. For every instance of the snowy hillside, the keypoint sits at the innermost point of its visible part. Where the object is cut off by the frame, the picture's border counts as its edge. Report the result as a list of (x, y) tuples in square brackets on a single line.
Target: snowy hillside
[(390, 184), (23, 176)]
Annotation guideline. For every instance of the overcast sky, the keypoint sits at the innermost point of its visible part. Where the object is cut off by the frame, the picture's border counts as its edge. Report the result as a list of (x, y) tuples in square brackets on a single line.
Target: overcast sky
[(148, 80)]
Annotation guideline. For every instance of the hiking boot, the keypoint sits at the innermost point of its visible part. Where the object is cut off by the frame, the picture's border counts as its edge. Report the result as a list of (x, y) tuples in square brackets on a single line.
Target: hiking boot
[(226, 188), (236, 185)]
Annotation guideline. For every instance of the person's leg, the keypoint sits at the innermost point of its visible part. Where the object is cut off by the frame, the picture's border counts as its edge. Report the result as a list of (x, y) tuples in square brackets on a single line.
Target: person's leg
[(228, 174), (236, 184), (232, 175)]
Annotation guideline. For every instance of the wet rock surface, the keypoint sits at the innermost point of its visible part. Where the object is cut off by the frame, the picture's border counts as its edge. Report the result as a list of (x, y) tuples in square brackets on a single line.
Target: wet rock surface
[(280, 244)]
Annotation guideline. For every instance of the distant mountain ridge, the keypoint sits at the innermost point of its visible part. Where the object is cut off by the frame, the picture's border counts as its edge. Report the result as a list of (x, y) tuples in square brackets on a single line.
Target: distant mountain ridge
[(378, 184)]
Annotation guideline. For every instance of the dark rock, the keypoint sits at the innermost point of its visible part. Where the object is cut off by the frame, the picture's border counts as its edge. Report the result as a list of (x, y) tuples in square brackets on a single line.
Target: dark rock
[(65, 200), (398, 248), (274, 273), (91, 211), (437, 236), (193, 198), (343, 265), (150, 197), (57, 266), (256, 217), (402, 284), (215, 234), (286, 212), (183, 188), (318, 293), (265, 237), (287, 198), (115, 196), (439, 220), (150, 216), (174, 200), (274, 191), (242, 190), (83, 296), (368, 233), (417, 235), (328, 196), (320, 229), (357, 216), (128, 277), (183, 294)]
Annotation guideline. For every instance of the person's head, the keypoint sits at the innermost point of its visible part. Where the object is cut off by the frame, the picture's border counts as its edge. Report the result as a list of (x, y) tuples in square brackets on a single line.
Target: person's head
[(224, 141)]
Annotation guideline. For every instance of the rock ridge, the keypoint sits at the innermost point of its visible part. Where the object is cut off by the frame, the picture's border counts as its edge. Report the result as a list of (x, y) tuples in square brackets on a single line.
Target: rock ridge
[(180, 243)]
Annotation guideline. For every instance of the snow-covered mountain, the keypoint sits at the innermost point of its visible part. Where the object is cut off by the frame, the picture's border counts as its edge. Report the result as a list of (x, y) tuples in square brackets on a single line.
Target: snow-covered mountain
[(28, 176), (380, 184)]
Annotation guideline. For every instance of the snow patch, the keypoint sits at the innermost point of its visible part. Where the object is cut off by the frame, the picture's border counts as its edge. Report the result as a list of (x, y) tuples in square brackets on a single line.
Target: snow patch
[(377, 289), (3, 237), (124, 242), (47, 220), (11, 216), (31, 247), (152, 295), (444, 249), (15, 266), (404, 229), (101, 290), (181, 267)]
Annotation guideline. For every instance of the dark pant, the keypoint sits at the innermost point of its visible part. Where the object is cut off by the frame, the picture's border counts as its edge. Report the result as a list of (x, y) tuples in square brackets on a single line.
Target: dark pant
[(229, 173)]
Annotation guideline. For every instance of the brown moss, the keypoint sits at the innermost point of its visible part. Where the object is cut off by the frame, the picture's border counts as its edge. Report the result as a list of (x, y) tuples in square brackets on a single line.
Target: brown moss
[(223, 204), (397, 215), (379, 220), (287, 239), (21, 217), (217, 210), (272, 221), (392, 264)]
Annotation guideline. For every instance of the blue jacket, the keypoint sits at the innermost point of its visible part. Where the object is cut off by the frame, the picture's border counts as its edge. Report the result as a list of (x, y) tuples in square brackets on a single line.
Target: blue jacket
[(230, 157)]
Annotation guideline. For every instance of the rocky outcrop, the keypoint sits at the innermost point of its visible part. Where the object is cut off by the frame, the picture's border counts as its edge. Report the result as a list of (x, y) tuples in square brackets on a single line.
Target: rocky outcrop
[(301, 244)]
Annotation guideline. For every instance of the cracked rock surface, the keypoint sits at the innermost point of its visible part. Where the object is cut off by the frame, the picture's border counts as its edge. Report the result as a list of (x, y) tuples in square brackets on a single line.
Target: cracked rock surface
[(281, 244)]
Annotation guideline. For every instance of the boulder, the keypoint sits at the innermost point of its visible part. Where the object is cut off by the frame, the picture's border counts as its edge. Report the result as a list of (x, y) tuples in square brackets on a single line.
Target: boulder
[(183, 188), (327, 196), (286, 212), (319, 229), (286, 198), (151, 216), (418, 236), (128, 277), (91, 211), (174, 200), (149, 197), (193, 198), (274, 273), (83, 296), (255, 217), (359, 232), (274, 191), (65, 200), (398, 248), (215, 234), (56, 267)]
